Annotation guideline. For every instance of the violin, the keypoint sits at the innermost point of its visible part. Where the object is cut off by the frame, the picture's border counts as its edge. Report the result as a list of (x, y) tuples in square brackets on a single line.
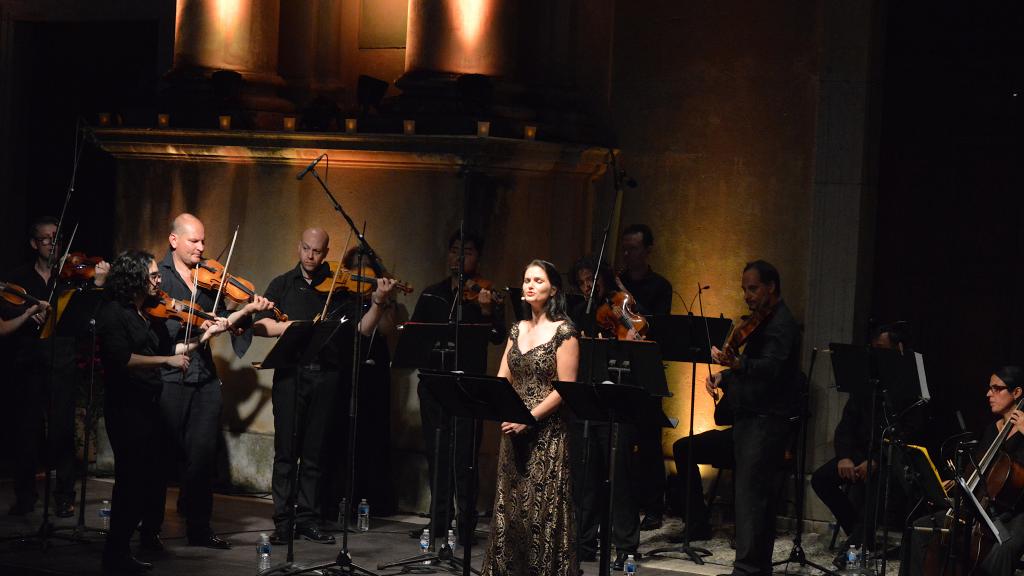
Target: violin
[(748, 325), (210, 275), (17, 296), (475, 285), (363, 279), (166, 307), (78, 266), (617, 315)]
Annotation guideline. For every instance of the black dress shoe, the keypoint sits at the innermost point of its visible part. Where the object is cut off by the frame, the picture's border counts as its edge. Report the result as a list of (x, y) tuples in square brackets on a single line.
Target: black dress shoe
[(417, 532), (125, 565), (151, 543), (312, 533), (64, 508), (210, 541), (651, 522)]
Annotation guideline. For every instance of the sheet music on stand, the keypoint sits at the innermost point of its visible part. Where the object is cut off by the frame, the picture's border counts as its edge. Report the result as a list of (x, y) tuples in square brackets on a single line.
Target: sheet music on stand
[(606, 359)]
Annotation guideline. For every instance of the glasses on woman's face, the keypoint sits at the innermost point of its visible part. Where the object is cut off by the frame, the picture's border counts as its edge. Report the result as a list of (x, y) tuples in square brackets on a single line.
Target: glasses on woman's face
[(996, 389)]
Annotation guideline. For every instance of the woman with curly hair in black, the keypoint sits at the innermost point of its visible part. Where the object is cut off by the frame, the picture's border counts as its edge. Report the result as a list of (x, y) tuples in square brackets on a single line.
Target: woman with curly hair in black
[(132, 356)]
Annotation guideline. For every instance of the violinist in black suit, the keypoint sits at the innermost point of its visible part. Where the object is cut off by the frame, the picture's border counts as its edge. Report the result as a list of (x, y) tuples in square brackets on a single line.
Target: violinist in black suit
[(761, 382)]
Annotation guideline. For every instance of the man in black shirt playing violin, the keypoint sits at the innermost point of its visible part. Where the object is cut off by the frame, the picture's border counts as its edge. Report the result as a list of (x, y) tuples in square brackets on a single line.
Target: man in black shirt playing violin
[(438, 304), (44, 377), (190, 403), (302, 293), (653, 294), (761, 383)]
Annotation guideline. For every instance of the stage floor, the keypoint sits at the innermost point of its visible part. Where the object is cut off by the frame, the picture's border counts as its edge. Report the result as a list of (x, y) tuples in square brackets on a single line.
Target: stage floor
[(241, 519)]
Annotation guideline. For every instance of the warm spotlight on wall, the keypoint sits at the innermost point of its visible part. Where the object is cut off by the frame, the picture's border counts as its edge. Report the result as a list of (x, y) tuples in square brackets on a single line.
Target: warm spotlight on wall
[(289, 123), (483, 129), (224, 121), (103, 119), (409, 127), (163, 120), (530, 132), (351, 125)]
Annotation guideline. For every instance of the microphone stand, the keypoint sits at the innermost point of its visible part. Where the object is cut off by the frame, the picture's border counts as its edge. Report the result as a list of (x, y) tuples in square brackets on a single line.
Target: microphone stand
[(604, 563), (344, 559)]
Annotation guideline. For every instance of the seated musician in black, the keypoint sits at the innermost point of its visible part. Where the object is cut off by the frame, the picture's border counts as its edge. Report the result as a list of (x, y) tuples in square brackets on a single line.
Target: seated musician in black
[(714, 447), (1004, 392), (853, 447), (591, 497)]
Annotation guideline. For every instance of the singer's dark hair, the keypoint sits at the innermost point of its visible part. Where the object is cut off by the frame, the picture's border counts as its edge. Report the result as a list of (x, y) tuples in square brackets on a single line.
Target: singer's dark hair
[(128, 276), (642, 229), (587, 263), (767, 273), (39, 222), (471, 238), (554, 309), (1012, 375)]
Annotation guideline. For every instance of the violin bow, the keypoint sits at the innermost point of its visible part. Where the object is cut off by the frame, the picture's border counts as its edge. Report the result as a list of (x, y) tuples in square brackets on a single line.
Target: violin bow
[(191, 307), (226, 278), (60, 264), (707, 329), (334, 280)]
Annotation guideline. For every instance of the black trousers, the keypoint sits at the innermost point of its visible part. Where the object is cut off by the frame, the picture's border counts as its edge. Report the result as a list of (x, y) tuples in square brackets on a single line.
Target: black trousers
[(648, 470), (1000, 561), (133, 426), (452, 478), (759, 447), (828, 486), (591, 491), (191, 421), (302, 407), (41, 397), (714, 447)]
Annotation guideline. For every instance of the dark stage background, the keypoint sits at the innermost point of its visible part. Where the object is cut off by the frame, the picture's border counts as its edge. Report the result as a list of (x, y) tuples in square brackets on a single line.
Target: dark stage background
[(950, 243)]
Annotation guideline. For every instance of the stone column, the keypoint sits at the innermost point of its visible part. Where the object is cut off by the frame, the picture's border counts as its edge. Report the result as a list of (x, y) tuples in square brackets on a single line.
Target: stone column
[(462, 37), (236, 35), (310, 52)]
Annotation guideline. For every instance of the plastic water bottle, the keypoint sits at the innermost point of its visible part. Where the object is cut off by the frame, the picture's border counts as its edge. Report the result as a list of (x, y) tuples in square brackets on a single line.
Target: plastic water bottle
[(104, 514), (451, 539), (630, 565), (263, 553), (852, 560), (364, 515), (425, 543)]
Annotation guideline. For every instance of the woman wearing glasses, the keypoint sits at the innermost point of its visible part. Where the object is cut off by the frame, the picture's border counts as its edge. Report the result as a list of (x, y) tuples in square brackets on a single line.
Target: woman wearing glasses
[(1004, 393), (132, 358)]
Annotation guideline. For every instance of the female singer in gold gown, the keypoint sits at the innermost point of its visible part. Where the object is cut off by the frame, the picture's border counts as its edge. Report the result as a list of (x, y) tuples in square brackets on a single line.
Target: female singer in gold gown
[(534, 529)]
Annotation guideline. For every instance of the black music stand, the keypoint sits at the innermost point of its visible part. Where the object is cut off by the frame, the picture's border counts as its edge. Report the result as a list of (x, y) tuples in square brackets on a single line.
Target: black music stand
[(476, 397), (614, 365), (298, 346), (688, 338), (431, 347), (76, 319)]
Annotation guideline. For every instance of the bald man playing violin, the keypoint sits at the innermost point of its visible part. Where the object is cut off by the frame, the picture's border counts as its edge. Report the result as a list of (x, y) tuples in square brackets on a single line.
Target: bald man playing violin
[(306, 396), (190, 403)]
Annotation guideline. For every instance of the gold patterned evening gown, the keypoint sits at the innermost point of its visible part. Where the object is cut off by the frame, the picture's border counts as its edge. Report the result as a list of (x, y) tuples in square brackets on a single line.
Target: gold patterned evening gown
[(534, 531)]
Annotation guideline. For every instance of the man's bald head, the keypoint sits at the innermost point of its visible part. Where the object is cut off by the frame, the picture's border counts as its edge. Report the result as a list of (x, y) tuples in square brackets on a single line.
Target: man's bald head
[(187, 238), (313, 248)]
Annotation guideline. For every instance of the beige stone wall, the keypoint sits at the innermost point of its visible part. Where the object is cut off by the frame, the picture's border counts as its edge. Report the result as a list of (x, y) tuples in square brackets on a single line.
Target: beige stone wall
[(714, 112)]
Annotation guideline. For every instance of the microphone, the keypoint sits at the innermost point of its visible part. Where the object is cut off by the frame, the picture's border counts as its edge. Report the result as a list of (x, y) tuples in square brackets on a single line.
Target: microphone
[(309, 168)]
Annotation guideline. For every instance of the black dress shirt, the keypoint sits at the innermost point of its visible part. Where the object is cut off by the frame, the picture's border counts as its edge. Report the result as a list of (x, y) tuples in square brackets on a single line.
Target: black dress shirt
[(295, 297), (653, 293), (436, 304), (27, 277), (121, 332)]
